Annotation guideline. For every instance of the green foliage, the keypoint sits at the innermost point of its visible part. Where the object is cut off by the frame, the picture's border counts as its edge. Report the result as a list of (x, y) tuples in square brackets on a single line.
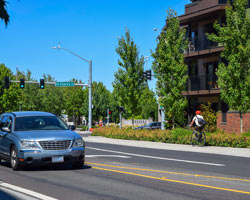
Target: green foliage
[(234, 78), (148, 105), (171, 70), (8, 97), (178, 136), (72, 101), (128, 83), (101, 101), (3, 12), (209, 116)]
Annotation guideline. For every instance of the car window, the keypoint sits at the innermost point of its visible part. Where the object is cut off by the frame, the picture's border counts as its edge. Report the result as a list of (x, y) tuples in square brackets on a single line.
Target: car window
[(8, 123), (148, 125), (159, 124), (4, 121), (39, 123)]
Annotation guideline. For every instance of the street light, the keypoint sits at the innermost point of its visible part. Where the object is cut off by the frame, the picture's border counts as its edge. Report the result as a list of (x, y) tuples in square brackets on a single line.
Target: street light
[(90, 80)]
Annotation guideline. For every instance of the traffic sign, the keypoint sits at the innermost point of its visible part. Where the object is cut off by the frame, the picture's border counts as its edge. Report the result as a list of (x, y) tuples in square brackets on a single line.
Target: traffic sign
[(65, 84)]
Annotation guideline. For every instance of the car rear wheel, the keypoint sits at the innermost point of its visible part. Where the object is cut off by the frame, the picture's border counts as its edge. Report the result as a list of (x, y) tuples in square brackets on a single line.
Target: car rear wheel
[(14, 162)]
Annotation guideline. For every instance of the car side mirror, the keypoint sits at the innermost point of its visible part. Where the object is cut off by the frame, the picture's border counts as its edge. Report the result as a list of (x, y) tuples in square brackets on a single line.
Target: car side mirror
[(72, 127), (6, 129)]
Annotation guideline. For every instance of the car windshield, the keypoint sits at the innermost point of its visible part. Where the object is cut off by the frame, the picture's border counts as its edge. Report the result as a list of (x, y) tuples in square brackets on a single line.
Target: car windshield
[(39, 123), (148, 125)]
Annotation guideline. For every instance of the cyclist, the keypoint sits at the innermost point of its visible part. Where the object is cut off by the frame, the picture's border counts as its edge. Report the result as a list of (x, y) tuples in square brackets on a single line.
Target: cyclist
[(198, 126)]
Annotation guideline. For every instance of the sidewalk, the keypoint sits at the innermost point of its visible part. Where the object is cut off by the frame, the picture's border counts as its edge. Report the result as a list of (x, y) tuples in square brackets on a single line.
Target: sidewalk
[(240, 152)]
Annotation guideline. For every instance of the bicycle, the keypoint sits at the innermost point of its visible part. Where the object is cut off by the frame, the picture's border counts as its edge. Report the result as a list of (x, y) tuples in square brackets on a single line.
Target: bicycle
[(198, 138)]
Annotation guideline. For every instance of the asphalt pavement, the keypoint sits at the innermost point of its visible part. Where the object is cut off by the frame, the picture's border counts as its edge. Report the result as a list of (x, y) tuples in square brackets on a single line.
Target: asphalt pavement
[(239, 152), (126, 169)]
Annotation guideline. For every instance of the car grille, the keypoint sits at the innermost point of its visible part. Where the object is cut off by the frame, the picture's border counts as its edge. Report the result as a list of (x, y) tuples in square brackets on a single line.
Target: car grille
[(55, 145)]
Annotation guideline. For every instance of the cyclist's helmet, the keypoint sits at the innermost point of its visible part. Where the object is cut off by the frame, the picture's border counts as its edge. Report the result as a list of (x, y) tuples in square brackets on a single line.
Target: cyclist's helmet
[(197, 112)]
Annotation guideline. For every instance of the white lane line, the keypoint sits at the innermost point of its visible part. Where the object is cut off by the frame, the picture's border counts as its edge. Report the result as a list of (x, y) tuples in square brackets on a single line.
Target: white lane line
[(160, 158), (25, 191), (116, 156)]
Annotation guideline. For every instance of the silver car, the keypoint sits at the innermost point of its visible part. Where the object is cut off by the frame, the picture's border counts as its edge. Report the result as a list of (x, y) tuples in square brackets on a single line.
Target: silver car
[(38, 138)]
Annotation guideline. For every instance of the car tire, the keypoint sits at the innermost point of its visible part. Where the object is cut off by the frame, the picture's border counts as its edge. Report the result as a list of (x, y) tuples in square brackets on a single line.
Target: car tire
[(79, 164), (14, 162)]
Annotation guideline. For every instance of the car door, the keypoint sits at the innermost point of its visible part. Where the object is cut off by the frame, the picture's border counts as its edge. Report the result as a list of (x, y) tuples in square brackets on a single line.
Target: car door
[(6, 121), (2, 134)]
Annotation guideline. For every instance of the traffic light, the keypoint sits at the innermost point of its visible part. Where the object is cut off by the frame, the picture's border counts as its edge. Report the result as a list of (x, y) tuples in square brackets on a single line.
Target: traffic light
[(145, 75), (22, 83), (121, 109), (42, 83), (110, 112), (6, 82), (148, 74)]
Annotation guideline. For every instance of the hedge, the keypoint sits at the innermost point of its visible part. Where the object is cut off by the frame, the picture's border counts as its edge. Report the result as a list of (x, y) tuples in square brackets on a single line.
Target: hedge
[(177, 136)]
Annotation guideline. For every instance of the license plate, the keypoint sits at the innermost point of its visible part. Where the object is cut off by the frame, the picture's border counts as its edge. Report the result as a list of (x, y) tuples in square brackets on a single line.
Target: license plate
[(57, 159)]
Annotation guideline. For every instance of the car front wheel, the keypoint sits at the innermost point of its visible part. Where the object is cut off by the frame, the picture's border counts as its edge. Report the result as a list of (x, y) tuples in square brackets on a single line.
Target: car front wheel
[(79, 164), (14, 162)]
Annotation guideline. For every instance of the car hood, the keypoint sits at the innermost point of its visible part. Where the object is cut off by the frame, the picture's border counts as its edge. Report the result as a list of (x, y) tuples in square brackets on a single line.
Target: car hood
[(47, 135)]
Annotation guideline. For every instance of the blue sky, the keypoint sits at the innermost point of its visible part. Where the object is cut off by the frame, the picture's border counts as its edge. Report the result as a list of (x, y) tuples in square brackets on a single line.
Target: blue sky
[(88, 28)]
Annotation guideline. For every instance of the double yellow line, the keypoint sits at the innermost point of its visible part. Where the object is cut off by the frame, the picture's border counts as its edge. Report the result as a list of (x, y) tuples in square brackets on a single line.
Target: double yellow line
[(170, 180)]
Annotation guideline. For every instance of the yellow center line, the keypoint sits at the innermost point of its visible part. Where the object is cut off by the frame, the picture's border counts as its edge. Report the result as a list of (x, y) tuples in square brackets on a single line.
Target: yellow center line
[(167, 172), (172, 180)]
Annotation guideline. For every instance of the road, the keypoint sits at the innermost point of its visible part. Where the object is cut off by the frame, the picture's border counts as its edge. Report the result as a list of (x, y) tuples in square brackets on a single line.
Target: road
[(124, 172)]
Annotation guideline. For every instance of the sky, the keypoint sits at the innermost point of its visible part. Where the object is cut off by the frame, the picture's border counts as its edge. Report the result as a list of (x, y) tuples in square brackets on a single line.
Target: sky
[(89, 28)]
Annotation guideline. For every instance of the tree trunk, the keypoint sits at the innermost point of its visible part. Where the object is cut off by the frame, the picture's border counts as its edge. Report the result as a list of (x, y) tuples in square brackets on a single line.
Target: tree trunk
[(173, 121), (241, 122)]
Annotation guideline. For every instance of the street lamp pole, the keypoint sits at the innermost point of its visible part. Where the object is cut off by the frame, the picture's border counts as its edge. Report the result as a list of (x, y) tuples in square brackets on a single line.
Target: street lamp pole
[(90, 80)]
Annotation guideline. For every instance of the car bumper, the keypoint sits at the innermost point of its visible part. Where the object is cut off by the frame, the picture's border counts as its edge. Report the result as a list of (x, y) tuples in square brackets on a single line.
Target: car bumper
[(47, 156)]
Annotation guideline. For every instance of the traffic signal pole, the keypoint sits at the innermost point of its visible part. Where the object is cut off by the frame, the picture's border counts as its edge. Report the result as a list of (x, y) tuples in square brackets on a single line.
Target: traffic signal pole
[(90, 80), (108, 117)]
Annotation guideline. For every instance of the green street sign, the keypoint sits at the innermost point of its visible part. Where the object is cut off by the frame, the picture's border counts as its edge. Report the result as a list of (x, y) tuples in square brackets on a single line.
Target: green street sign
[(65, 84)]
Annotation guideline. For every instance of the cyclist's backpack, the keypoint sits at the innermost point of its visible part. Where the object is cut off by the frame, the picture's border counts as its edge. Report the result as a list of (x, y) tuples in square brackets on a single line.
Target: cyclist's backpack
[(201, 121)]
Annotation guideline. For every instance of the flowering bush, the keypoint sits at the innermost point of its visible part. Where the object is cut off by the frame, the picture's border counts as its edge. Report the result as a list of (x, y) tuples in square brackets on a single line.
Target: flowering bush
[(178, 136)]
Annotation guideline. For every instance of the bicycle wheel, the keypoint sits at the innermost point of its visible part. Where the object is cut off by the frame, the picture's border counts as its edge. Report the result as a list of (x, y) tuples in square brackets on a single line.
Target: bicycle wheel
[(202, 139), (194, 138)]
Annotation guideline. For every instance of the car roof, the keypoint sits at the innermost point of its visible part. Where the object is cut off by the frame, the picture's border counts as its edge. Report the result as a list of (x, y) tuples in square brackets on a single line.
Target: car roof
[(31, 113)]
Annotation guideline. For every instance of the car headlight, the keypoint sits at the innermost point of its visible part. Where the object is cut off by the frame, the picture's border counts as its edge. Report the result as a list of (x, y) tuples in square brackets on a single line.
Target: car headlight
[(78, 143), (29, 145)]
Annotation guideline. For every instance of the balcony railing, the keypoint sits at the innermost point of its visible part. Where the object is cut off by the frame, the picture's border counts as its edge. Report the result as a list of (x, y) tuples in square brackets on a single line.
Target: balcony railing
[(202, 82), (200, 43), (225, 1)]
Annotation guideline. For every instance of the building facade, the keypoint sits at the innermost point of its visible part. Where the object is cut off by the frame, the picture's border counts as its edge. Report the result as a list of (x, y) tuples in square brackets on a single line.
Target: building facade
[(203, 56)]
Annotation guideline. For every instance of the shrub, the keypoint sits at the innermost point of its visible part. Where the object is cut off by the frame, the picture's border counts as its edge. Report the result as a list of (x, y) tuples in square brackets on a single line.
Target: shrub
[(178, 136), (210, 117)]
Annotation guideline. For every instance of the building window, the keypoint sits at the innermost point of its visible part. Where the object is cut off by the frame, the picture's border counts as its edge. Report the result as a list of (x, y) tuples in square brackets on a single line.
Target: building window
[(224, 109)]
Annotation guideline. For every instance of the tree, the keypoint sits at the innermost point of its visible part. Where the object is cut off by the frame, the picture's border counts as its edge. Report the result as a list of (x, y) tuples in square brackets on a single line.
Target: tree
[(148, 104), (28, 99), (101, 101), (129, 81), (74, 99), (8, 97), (170, 69), (234, 74), (51, 98), (3, 12)]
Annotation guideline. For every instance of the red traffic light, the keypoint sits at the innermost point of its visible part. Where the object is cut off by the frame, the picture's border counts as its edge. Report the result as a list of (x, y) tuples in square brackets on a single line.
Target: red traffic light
[(110, 112)]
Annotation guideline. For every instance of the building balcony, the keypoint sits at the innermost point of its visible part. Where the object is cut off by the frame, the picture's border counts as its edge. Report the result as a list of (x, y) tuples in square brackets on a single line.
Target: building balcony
[(202, 45), (201, 84)]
